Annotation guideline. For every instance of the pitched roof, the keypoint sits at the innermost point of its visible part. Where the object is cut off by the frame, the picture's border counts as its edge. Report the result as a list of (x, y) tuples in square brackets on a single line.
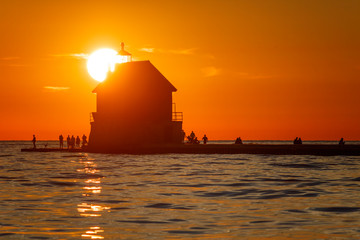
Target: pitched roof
[(138, 73)]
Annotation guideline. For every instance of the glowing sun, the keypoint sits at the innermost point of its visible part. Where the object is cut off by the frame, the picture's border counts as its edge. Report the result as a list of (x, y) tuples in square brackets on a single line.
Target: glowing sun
[(101, 62)]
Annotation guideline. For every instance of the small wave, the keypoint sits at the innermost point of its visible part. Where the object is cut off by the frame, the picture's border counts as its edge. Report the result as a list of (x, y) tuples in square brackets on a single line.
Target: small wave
[(279, 180), (337, 209), (274, 196), (199, 228), (39, 237), (261, 221), (296, 165), (142, 221), (32, 209), (6, 234), (69, 156), (57, 183), (176, 220), (238, 184), (114, 201), (185, 232), (120, 208), (6, 224), (6, 155), (167, 206), (8, 178), (29, 184), (188, 185), (310, 184), (295, 211)]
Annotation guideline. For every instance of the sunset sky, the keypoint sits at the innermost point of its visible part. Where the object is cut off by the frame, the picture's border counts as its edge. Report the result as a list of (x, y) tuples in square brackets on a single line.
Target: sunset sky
[(274, 69)]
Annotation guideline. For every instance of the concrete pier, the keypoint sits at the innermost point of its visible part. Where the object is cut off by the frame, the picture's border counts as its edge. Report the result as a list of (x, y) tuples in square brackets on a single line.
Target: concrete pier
[(305, 149)]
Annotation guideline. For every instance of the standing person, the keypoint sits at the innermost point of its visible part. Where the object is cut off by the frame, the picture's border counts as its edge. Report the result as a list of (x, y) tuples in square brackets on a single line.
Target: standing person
[(192, 137), (84, 141), (34, 141), (72, 141), (77, 141), (68, 143), (342, 142), (205, 139), (61, 140)]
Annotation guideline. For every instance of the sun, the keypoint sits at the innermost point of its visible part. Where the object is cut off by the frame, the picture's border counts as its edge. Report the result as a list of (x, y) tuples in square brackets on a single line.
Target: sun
[(101, 62)]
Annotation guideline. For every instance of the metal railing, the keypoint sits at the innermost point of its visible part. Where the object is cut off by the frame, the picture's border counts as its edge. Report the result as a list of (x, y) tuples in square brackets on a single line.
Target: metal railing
[(177, 116), (91, 117)]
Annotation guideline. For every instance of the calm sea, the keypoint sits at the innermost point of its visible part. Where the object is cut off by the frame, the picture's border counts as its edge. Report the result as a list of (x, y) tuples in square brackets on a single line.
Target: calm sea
[(175, 196)]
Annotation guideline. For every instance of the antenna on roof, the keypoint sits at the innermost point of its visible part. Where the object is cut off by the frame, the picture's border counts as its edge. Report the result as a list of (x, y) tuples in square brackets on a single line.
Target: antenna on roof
[(124, 56)]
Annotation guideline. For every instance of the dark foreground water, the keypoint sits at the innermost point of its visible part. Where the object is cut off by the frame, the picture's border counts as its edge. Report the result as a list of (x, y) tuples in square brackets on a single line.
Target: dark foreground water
[(100, 196)]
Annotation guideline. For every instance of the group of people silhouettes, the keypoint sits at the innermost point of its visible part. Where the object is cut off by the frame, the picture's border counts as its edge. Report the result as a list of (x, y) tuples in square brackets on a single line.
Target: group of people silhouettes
[(73, 142), (297, 140), (238, 141), (192, 139)]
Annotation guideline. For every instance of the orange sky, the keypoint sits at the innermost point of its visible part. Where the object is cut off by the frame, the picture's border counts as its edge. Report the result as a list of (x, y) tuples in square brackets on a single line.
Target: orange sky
[(255, 69)]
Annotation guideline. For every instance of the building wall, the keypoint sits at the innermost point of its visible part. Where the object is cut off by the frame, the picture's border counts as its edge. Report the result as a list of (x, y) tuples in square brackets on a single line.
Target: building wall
[(132, 119)]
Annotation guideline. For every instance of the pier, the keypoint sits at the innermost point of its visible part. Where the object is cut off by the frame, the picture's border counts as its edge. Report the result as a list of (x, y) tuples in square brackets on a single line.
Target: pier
[(272, 149)]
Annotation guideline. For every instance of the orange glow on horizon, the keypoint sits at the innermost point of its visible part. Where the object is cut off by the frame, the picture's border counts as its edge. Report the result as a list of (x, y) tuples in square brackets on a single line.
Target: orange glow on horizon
[(275, 70)]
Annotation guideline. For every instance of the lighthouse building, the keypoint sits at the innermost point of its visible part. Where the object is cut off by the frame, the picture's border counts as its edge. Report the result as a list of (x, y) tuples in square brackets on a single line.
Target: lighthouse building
[(134, 108)]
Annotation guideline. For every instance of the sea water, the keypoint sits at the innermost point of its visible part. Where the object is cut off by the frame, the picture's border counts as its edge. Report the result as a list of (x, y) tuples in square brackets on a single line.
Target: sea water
[(60, 195)]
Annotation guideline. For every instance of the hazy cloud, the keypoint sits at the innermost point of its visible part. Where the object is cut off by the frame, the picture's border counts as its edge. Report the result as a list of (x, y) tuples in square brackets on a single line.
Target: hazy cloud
[(55, 89), (210, 71), (16, 65), (187, 51), (72, 55), (9, 58), (149, 50), (245, 75)]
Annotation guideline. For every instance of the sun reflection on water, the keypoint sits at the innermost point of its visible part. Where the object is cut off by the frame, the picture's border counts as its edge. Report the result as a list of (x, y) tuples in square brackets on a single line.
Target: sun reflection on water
[(93, 233), (92, 187)]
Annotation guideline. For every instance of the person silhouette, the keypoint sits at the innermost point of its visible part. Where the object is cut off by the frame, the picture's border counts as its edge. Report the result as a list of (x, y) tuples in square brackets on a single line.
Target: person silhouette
[(72, 141), (296, 140), (205, 139), (299, 141), (34, 141), (61, 140), (84, 141), (68, 143), (77, 141), (192, 136), (342, 142)]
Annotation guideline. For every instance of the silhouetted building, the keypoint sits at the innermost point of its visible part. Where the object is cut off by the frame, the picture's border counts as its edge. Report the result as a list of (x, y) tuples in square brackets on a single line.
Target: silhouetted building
[(134, 108)]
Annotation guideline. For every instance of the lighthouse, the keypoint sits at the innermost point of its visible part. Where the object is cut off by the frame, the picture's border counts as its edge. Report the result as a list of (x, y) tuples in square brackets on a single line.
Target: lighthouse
[(134, 108)]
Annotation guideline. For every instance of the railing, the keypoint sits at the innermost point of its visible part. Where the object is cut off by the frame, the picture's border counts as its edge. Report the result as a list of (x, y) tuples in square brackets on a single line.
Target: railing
[(91, 117), (177, 116)]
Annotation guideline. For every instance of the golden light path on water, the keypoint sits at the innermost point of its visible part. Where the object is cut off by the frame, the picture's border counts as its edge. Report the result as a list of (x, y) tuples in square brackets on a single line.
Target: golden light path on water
[(92, 186)]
